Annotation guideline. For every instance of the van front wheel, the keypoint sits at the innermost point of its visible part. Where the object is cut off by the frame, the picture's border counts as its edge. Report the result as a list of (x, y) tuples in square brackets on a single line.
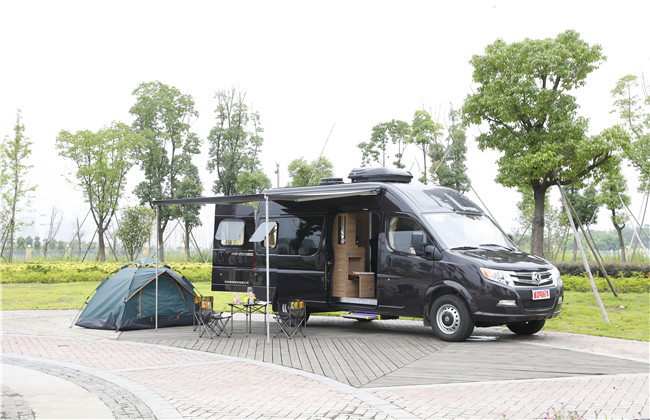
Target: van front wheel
[(526, 328), (451, 319)]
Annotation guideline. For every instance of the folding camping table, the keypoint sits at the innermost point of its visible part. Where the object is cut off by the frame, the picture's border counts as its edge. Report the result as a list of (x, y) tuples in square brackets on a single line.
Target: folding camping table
[(248, 309)]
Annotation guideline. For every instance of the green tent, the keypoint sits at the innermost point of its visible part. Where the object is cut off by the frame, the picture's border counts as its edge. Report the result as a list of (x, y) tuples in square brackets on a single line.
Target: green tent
[(127, 299)]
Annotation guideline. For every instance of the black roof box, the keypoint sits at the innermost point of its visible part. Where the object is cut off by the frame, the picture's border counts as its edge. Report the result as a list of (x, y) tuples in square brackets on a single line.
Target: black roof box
[(380, 175)]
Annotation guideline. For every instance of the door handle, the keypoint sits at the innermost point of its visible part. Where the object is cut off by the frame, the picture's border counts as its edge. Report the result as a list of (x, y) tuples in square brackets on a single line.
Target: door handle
[(389, 261)]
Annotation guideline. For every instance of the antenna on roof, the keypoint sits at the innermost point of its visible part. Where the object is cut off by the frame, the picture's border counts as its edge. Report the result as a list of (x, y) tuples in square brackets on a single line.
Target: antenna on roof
[(321, 154)]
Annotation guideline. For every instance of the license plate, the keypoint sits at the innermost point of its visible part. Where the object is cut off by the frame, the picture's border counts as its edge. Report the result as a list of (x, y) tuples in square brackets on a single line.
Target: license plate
[(541, 294)]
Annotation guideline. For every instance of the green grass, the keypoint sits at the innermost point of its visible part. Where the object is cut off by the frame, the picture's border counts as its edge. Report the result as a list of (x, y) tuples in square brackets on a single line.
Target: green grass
[(580, 313), (629, 315)]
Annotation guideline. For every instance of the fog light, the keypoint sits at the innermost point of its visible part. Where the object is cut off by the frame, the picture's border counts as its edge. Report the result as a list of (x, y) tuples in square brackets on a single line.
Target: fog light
[(560, 300), (507, 303)]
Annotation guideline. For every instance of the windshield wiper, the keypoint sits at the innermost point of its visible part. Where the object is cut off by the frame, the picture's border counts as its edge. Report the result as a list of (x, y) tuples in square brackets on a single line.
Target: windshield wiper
[(463, 248), (500, 246)]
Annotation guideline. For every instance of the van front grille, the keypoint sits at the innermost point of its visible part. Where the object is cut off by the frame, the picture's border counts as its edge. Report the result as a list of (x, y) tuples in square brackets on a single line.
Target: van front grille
[(533, 278)]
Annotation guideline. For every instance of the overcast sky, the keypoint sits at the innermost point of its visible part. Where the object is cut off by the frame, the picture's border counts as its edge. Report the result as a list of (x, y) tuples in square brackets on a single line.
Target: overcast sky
[(306, 66)]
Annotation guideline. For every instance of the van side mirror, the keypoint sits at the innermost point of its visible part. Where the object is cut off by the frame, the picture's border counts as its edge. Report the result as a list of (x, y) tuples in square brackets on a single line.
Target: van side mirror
[(432, 252), (418, 241)]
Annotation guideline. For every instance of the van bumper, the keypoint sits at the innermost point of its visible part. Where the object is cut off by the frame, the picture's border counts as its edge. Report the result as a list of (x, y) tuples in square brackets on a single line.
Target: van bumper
[(521, 309)]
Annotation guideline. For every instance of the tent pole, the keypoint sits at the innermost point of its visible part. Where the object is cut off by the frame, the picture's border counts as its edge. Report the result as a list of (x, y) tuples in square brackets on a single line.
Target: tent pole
[(157, 234), (268, 241)]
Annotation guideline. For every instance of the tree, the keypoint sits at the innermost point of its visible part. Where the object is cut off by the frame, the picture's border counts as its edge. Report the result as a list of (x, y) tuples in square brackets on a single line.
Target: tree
[(252, 182), (14, 188), (56, 217), (235, 141), (523, 96), (37, 243), (426, 134), (612, 191), (189, 187), (376, 150), (448, 166), (163, 117), (135, 229), (102, 162), (634, 111), (304, 174)]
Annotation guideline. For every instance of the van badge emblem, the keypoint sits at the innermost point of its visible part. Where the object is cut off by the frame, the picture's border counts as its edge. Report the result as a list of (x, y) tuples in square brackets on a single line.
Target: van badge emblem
[(537, 278)]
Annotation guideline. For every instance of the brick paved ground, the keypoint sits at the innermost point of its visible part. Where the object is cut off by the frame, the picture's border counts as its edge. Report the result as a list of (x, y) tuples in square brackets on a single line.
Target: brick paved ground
[(187, 379)]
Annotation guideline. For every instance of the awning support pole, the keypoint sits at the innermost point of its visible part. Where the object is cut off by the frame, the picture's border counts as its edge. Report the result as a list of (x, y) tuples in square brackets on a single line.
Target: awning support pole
[(268, 274), (157, 235)]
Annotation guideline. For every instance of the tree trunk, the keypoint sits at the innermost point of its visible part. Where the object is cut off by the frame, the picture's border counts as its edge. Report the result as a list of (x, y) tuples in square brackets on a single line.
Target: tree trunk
[(575, 249), (101, 248), (537, 234), (161, 244), (186, 239), (12, 229), (621, 242)]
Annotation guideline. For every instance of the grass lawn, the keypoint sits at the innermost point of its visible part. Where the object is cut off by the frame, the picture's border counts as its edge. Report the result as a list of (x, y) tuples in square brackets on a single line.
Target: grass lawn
[(629, 314)]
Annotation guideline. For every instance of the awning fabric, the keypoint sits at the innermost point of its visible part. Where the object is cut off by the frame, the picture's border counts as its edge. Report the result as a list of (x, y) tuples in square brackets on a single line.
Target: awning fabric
[(297, 194)]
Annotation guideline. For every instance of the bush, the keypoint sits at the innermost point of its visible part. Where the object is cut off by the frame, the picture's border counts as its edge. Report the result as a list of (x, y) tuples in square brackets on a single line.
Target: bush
[(632, 284), (613, 269), (69, 272)]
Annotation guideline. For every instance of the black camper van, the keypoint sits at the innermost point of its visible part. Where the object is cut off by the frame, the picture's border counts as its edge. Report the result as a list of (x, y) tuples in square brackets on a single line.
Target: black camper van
[(381, 247)]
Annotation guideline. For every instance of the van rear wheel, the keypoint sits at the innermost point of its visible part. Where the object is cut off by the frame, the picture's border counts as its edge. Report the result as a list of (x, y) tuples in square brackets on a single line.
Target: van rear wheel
[(451, 319), (526, 328)]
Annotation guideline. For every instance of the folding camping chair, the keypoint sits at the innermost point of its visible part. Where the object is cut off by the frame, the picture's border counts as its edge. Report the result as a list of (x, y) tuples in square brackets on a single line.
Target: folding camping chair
[(291, 318), (206, 320)]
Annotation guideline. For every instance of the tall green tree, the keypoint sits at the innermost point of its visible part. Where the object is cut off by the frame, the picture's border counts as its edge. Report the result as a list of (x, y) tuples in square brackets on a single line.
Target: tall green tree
[(304, 174), (387, 138), (613, 193), (235, 141), (135, 229), (632, 103), (163, 117), (426, 134), (102, 161), (448, 165), (190, 186), (252, 182), (523, 96), (14, 186)]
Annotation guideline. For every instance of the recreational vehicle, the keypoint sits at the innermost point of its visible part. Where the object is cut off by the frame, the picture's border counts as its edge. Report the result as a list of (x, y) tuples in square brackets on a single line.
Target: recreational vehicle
[(379, 247)]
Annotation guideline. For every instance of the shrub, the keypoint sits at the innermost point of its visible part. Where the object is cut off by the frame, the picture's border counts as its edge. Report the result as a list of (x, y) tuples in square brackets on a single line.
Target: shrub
[(69, 272), (633, 284), (613, 269)]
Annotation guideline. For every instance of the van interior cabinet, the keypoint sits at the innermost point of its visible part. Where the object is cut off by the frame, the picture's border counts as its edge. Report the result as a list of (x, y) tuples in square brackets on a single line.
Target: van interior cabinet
[(351, 277)]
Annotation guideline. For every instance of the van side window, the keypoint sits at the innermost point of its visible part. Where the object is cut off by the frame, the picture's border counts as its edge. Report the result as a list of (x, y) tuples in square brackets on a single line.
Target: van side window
[(272, 237), (231, 232), (299, 235), (405, 234)]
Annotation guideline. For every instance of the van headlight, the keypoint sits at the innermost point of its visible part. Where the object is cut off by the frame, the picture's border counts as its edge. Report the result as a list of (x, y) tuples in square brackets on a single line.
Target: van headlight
[(499, 276), (555, 275)]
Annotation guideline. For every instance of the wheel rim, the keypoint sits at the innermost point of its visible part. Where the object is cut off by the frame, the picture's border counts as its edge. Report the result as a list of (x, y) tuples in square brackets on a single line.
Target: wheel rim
[(448, 319)]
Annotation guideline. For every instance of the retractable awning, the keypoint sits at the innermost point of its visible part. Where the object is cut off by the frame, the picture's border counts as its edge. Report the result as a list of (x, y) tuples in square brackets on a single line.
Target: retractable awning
[(297, 194)]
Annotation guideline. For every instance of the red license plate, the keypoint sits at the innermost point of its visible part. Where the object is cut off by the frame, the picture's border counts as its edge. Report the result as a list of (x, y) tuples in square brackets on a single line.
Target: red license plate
[(541, 294)]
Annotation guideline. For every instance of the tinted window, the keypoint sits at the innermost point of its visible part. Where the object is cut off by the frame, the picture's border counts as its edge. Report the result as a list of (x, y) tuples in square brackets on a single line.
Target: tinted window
[(299, 235), (404, 234)]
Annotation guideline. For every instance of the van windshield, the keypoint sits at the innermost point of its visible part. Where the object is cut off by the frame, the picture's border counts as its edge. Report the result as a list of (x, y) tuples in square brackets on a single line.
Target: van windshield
[(466, 231)]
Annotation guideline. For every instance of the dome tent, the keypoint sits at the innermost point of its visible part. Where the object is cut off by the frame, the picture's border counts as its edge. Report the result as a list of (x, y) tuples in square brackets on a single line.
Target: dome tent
[(127, 299)]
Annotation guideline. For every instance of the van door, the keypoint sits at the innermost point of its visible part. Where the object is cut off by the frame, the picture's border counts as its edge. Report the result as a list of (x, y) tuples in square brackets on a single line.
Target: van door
[(233, 257), (404, 275)]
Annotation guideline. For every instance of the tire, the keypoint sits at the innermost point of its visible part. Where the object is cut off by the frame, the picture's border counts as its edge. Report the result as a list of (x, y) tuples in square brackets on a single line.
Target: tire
[(526, 328), (451, 319)]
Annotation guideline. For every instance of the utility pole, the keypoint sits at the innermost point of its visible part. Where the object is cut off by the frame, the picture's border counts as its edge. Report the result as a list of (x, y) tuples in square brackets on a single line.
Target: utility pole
[(277, 171)]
